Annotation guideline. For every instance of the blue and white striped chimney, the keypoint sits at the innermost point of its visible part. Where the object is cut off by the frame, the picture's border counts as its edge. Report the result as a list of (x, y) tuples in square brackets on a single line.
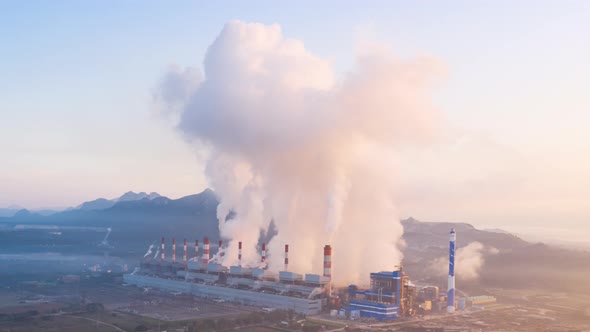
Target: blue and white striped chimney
[(451, 288)]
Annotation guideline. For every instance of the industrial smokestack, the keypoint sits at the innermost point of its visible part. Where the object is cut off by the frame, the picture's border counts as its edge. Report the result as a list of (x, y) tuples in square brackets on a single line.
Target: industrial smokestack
[(185, 253), (328, 268), (197, 251), (451, 288), (328, 262), (240, 253), (286, 257), (173, 250), (220, 254), (163, 251), (263, 256), (206, 250)]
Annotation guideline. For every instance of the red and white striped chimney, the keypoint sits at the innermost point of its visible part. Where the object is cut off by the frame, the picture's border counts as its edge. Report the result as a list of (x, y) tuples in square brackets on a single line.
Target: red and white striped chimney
[(163, 251), (328, 262), (197, 250), (240, 253), (184, 254), (206, 250), (221, 254), (286, 257), (263, 256), (173, 250)]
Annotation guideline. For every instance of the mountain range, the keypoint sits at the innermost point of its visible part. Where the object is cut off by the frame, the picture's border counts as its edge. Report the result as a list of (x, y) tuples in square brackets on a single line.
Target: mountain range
[(97, 204)]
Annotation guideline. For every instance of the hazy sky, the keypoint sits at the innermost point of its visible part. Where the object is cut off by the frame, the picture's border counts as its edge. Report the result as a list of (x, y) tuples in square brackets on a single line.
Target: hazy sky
[(77, 120)]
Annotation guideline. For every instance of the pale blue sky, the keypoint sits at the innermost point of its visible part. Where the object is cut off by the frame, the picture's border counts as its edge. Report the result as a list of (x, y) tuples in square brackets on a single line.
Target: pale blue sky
[(76, 120)]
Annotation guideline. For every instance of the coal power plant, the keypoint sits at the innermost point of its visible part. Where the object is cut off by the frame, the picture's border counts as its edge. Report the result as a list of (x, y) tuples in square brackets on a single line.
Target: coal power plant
[(257, 286), (391, 294)]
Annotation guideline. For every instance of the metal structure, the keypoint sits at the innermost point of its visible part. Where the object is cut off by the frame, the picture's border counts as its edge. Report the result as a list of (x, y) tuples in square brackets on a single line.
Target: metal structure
[(390, 296), (163, 251), (206, 255), (328, 261), (173, 250), (184, 253), (328, 267), (286, 257), (451, 287), (258, 286), (240, 254), (301, 305)]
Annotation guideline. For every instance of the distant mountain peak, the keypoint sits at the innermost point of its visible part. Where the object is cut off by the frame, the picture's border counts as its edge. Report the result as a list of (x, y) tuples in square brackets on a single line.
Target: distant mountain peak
[(97, 204), (23, 213), (133, 196)]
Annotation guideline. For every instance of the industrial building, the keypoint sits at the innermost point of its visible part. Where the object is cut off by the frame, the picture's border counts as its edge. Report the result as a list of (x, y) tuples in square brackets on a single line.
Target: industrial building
[(250, 286), (390, 296)]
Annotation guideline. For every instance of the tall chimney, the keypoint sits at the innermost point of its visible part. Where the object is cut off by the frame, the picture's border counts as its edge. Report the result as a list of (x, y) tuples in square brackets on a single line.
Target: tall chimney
[(206, 250), (163, 251), (263, 257), (451, 286), (184, 255), (286, 257), (221, 254), (328, 268), (173, 250), (197, 251), (328, 262), (240, 253)]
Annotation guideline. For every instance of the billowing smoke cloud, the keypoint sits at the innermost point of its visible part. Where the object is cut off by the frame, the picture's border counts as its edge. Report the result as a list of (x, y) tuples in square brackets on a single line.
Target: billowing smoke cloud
[(291, 143), (468, 261)]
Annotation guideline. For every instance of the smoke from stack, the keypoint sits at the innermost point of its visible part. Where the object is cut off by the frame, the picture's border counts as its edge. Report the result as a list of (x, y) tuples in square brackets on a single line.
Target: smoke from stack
[(149, 251), (290, 142), (469, 261)]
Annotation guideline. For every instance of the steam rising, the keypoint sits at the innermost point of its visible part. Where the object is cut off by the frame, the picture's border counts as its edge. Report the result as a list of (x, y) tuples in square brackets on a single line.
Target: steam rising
[(291, 143), (468, 261)]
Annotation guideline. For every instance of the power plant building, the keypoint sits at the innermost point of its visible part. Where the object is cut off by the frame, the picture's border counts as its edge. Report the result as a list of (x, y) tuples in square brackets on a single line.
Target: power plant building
[(204, 278), (242, 296), (391, 296)]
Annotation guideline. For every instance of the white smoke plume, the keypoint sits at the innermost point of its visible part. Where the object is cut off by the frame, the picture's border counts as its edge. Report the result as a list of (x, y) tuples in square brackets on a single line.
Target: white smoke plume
[(149, 251), (291, 143), (468, 261)]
